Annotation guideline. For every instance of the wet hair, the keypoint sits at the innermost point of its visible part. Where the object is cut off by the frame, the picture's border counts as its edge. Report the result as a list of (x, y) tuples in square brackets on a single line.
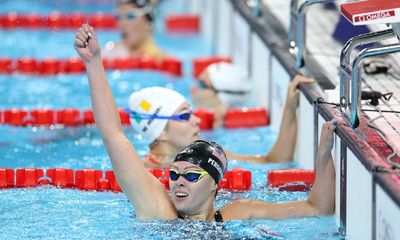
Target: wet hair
[(206, 154), (141, 4)]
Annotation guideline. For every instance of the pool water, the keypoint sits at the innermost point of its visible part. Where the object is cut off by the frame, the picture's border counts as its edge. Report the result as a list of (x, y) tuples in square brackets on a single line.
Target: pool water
[(51, 213), (66, 91), (47, 212)]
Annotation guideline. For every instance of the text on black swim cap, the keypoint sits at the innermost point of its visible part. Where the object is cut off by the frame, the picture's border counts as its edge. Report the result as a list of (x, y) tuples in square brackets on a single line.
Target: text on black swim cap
[(207, 155)]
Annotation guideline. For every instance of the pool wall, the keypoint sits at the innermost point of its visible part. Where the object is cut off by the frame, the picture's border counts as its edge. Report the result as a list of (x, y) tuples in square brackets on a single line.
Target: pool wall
[(367, 199)]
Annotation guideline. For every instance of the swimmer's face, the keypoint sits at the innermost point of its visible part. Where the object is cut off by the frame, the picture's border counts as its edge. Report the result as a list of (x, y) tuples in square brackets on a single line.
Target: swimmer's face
[(134, 30), (182, 133), (202, 94), (191, 197)]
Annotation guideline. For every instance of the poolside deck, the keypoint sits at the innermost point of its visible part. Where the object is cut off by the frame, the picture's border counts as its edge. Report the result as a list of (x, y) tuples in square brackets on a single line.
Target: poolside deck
[(322, 46)]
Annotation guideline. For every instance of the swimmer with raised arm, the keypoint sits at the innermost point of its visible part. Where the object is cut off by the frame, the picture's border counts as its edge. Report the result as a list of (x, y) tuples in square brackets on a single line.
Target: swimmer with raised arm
[(164, 119), (197, 169)]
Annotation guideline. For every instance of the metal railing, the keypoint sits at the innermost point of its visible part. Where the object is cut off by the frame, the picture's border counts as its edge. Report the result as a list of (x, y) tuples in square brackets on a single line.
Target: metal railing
[(345, 65), (352, 74), (297, 29), (356, 77), (255, 6)]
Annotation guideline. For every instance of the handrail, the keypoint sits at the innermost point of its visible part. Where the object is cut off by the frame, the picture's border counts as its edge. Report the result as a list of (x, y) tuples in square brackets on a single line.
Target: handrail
[(297, 28), (345, 70), (396, 29), (356, 77), (255, 6)]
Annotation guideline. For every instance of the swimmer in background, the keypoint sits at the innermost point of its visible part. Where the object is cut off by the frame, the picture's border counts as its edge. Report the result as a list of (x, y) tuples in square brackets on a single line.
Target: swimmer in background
[(197, 169), (221, 86), (225, 85), (135, 22), (163, 117)]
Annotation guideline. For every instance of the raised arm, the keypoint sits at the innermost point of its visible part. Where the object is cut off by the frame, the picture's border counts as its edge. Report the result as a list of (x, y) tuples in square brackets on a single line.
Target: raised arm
[(321, 200), (146, 193), (322, 195), (284, 147)]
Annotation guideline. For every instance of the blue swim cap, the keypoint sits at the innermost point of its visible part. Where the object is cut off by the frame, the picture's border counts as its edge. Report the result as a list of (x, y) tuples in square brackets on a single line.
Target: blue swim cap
[(208, 155)]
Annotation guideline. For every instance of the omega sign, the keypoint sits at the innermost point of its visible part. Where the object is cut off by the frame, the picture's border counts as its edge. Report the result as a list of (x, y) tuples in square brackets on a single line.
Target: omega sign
[(374, 16)]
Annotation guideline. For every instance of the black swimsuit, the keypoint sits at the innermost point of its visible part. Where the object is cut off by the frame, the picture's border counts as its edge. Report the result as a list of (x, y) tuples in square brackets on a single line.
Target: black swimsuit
[(217, 216)]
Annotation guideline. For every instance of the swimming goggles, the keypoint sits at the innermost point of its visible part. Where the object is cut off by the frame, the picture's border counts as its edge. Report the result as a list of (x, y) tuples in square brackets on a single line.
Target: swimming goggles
[(203, 85), (132, 14), (191, 175), (183, 116)]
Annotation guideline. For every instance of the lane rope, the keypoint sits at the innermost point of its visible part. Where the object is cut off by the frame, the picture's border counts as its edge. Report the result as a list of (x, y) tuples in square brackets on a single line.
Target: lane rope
[(236, 179), (75, 65)]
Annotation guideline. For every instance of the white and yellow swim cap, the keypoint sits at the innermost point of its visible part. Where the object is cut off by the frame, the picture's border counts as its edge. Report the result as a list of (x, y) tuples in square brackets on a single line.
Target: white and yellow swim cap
[(227, 77), (153, 100)]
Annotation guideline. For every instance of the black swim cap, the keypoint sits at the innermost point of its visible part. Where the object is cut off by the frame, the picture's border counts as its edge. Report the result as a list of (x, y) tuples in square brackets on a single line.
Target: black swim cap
[(142, 4), (208, 155)]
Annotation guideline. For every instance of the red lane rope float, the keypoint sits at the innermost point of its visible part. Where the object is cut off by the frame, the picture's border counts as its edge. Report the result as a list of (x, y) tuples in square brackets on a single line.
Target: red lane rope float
[(291, 179), (6, 65), (52, 66), (246, 117), (235, 118), (99, 20), (236, 179), (97, 180), (57, 20), (200, 64), (182, 23), (207, 119), (6, 178), (47, 117)]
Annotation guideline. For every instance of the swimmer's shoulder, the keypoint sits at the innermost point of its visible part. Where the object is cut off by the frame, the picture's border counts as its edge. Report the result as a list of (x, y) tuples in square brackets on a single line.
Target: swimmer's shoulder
[(154, 51), (236, 210)]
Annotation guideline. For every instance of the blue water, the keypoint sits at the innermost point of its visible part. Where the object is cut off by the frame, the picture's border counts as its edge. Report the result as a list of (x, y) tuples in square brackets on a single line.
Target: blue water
[(51, 213), (64, 91), (101, 215), (24, 42), (87, 6)]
